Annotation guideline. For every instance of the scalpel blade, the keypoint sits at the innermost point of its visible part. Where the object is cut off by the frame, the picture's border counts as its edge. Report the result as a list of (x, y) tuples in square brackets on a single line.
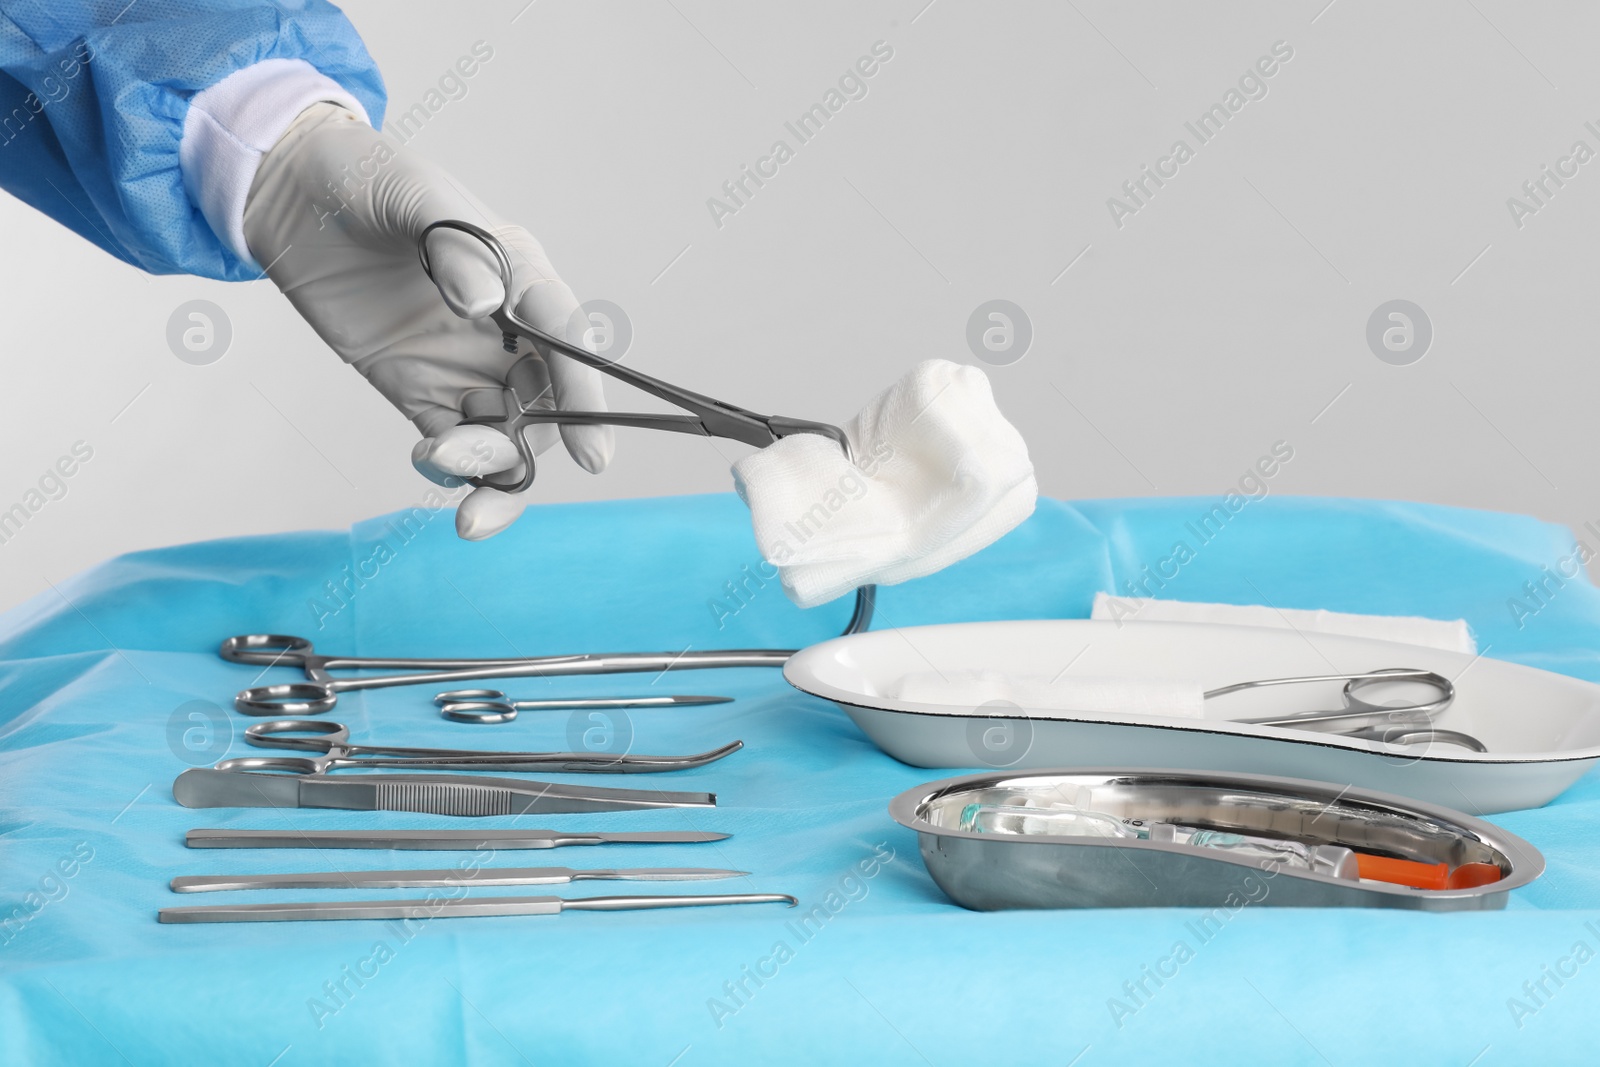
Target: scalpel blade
[(450, 876), (447, 909), (439, 840)]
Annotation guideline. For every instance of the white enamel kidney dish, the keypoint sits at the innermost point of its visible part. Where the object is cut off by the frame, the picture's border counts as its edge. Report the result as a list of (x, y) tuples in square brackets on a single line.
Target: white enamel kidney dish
[(1542, 730)]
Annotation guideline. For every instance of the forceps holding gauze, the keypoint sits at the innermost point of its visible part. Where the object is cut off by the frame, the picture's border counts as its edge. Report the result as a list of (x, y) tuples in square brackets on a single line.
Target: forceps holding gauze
[(521, 404), (525, 402)]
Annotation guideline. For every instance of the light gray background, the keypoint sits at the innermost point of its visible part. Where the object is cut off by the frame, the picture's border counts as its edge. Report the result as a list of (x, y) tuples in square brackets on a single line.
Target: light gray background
[(1228, 314)]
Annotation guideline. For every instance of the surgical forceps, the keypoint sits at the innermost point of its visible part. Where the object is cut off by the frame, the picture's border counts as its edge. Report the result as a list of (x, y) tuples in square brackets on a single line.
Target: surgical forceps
[(526, 401), (433, 794), (331, 740), (523, 403), (1404, 724)]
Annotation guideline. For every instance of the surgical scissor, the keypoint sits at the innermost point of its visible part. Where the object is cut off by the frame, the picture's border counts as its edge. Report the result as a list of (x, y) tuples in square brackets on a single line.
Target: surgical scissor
[(331, 742), (1404, 724), (493, 706)]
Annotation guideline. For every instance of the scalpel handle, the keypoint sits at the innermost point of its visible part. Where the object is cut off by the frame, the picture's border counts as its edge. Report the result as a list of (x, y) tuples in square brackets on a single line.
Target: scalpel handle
[(423, 879), (445, 909), (437, 840), (440, 878)]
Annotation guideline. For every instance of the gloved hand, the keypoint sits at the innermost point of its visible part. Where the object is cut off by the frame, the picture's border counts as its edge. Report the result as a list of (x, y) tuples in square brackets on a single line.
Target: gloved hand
[(334, 213)]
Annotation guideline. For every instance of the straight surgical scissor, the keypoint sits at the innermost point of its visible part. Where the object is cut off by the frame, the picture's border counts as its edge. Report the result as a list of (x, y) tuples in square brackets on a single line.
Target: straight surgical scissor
[(331, 743)]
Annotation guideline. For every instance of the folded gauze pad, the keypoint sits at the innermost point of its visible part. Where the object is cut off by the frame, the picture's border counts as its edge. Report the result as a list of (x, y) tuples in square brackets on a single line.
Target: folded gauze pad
[(938, 474), (967, 691)]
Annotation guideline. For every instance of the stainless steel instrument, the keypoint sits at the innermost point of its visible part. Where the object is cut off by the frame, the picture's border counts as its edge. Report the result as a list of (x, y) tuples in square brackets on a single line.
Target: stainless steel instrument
[(526, 399), (320, 691), (515, 407), (421, 910), (440, 840), (493, 706), (332, 741), (436, 794), (1397, 724), (449, 876)]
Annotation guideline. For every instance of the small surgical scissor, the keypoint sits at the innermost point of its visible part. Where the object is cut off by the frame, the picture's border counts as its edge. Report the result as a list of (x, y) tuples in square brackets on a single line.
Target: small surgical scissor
[(493, 706), (331, 740), (1404, 724)]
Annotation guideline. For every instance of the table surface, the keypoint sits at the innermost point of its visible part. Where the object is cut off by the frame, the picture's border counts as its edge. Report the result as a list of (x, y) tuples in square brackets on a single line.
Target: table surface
[(112, 685)]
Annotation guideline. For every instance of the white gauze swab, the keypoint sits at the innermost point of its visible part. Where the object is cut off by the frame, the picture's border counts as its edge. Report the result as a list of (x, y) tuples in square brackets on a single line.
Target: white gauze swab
[(938, 474)]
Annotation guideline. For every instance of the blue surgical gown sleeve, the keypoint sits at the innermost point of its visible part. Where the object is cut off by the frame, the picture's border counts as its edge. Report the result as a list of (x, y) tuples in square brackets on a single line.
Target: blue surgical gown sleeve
[(94, 96)]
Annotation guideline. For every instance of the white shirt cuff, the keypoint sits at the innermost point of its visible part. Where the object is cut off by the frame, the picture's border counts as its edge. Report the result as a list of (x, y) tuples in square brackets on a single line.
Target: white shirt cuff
[(235, 122)]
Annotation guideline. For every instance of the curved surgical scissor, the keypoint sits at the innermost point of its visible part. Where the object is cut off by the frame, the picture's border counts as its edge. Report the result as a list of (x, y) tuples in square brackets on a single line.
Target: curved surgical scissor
[(332, 741)]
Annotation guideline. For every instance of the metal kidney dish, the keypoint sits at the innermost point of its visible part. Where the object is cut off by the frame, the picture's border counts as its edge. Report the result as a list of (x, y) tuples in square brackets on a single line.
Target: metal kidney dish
[(990, 871)]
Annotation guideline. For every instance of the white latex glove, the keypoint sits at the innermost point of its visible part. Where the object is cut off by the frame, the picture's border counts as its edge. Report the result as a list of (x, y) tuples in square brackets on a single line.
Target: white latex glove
[(334, 212)]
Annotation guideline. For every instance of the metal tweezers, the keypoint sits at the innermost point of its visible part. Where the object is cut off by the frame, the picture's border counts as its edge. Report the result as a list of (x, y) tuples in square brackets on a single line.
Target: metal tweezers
[(434, 794)]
